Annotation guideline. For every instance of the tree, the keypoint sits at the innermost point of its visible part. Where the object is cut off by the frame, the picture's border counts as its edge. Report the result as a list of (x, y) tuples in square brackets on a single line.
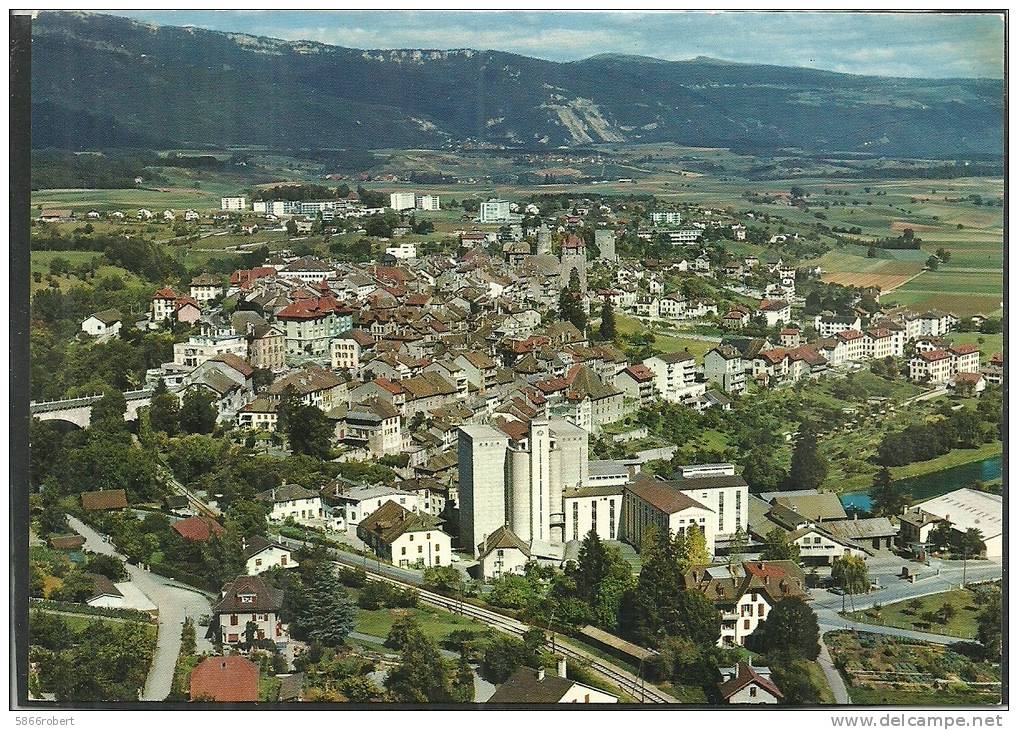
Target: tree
[(359, 689), (164, 410), (503, 656), (778, 547), (809, 466), (570, 303), (932, 263), (606, 330), (591, 566), (197, 413), (108, 565), (888, 501), (762, 471), (851, 573), (291, 227), (988, 625), (329, 617), (696, 546), (306, 427), (789, 632), (943, 254), (444, 578), (110, 410), (813, 302), (421, 675), (969, 543)]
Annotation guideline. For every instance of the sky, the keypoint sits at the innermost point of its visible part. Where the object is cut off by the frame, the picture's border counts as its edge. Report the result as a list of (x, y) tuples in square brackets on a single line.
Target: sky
[(886, 44)]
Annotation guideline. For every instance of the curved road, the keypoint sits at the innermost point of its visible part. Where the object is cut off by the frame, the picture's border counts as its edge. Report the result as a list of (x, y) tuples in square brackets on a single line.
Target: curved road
[(174, 603)]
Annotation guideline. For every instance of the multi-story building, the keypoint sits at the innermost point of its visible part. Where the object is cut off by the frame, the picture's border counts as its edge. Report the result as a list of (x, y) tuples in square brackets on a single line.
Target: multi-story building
[(310, 325), (346, 353), (266, 345), (675, 375), (746, 594), (495, 211), (828, 325), (724, 365), (233, 203), (667, 217), (249, 600), (516, 475), (934, 366), (292, 501), (636, 381), (312, 386), (597, 508), (652, 502), (429, 202), (205, 288), (405, 538), (964, 359), (402, 201)]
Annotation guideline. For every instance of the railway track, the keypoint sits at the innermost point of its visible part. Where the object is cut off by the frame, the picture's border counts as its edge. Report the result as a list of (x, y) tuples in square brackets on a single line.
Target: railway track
[(631, 684)]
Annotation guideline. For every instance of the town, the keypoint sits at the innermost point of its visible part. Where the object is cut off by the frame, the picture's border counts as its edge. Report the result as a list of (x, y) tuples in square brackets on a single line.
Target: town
[(387, 445)]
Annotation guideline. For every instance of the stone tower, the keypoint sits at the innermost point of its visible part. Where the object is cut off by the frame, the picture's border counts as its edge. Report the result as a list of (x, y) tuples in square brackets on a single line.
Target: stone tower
[(574, 257), (605, 240)]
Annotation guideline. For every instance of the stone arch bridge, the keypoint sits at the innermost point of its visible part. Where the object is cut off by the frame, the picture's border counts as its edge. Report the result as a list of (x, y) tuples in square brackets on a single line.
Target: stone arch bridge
[(78, 411)]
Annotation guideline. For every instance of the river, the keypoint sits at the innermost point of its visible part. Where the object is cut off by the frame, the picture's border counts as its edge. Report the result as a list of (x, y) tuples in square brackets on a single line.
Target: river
[(932, 485)]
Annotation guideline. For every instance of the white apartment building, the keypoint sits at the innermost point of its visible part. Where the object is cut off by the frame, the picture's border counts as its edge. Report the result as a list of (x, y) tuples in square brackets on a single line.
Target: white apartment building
[(233, 203), (668, 217), (404, 251), (429, 202), (495, 211), (201, 348), (402, 201), (829, 325), (345, 354), (649, 501), (292, 501), (724, 365), (675, 376), (934, 366)]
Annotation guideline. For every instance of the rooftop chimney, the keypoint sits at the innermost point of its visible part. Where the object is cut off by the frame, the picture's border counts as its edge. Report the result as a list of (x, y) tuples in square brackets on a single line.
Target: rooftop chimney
[(540, 674)]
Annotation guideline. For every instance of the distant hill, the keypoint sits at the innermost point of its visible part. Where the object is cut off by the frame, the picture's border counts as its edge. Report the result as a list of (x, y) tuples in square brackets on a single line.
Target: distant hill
[(101, 80)]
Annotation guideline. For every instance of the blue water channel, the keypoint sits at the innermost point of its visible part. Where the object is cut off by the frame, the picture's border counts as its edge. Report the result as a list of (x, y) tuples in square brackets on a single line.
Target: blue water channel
[(933, 485)]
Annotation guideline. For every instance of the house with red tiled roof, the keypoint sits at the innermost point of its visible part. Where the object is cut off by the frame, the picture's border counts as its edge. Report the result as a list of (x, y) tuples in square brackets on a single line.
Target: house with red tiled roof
[(309, 325), (225, 679), (637, 382), (197, 529)]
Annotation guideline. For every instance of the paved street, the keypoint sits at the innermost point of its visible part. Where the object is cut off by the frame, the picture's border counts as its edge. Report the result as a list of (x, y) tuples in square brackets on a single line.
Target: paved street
[(834, 679), (174, 603)]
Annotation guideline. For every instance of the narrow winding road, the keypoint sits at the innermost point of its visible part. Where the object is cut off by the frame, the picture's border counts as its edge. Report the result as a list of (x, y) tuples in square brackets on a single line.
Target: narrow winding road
[(174, 603)]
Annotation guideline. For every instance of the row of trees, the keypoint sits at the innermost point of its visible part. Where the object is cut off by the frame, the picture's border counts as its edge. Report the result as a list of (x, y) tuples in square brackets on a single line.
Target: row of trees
[(965, 428)]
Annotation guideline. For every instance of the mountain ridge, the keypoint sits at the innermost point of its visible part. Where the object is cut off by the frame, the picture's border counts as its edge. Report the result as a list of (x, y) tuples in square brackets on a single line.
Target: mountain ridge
[(186, 85)]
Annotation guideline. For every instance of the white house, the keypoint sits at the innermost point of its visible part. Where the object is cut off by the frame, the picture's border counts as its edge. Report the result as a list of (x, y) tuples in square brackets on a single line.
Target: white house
[(597, 508), (104, 324), (745, 684), (249, 599), (536, 686), (404, 538), (675, 375), (502, 553), (260, 555), (233, 203), (295, 502)]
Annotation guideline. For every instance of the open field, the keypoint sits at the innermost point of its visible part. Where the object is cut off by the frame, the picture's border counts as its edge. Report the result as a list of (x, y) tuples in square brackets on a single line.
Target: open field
[(126, 199), (962, 624)]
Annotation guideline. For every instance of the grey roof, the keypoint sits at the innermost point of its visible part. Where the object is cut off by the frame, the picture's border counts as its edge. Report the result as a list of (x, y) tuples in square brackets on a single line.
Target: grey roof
[(524, 686), (820, 506), (862, 529)]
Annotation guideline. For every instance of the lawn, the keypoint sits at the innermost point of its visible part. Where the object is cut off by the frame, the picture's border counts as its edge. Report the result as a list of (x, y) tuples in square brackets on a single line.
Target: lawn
[(988, 344), (962, 624), (85, 621), (436, 623), (664, 342)]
